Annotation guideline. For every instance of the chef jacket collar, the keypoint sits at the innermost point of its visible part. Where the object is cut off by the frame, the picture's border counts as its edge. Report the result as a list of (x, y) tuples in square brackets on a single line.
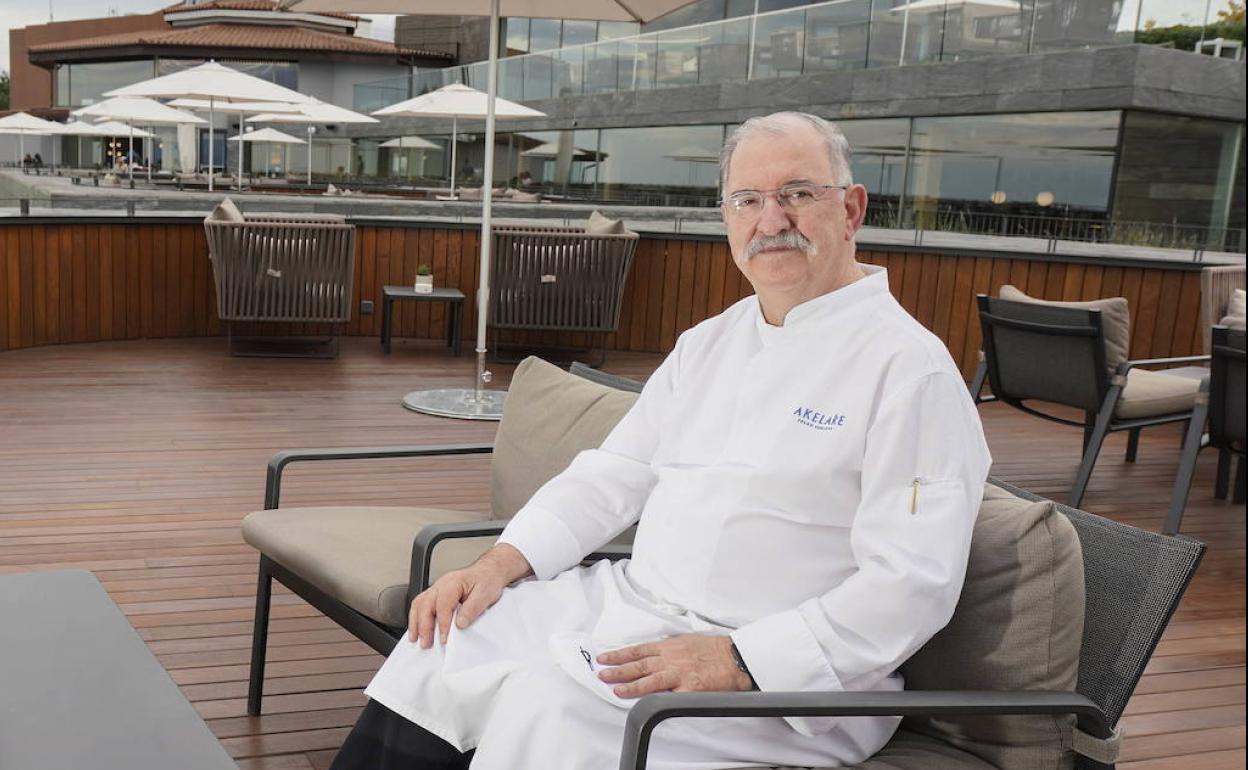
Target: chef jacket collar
[(873, 283)]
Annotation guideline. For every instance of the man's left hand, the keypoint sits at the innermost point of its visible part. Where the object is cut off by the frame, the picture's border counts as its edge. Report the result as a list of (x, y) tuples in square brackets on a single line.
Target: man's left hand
[(686, 663)]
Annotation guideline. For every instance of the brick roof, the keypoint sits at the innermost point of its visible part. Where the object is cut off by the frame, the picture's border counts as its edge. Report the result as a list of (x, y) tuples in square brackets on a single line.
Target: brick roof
[(243, 5), (241, 36)]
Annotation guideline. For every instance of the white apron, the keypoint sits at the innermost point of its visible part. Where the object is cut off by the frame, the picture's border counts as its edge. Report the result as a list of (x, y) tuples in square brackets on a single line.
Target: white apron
[(809, 489)]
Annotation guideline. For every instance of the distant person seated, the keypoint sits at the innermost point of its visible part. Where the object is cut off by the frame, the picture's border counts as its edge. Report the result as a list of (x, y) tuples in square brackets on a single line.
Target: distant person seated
[(27, 161), (526, 180), (38, 160)]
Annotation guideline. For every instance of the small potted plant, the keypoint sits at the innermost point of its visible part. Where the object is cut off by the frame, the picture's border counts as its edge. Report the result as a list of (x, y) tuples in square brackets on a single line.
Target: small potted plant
[(424, 279)]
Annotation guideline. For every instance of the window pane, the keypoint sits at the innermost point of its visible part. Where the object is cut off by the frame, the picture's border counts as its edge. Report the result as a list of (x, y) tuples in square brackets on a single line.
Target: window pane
[(878, 162), (569, 65), (602, 67), (517, 36), (543, 34), (613, 30), (88, 82), (778, 44), (578, 32), (511, 79), (1003, 163), (836, 35), (562, 161), (973, 29), (537, 74), (1078, 23), (1179, 169), (669, 165), (62, 86), (724, 52), (637, 64), (677, 57)]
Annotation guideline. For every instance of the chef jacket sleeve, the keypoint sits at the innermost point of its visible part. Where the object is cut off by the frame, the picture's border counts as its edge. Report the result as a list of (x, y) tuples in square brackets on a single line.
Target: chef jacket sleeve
[(923, 473), (602, 492)]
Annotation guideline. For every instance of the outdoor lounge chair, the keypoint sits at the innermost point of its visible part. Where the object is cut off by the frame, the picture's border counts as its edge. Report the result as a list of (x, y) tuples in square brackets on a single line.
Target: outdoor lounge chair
[(283, 268), (1064, 354), (560, 279), (1217, 285), (1055, 598), (1222, 403)]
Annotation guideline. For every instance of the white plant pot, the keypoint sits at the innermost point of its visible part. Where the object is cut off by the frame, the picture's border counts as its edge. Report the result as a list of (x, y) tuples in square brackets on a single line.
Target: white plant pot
[(424, 284)]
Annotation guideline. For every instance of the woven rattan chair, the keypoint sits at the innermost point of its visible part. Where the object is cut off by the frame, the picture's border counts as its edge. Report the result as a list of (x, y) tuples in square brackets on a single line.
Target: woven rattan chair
[(1222, 404), (559, 279), (1036, 352), (1217, 284), (289, 269)]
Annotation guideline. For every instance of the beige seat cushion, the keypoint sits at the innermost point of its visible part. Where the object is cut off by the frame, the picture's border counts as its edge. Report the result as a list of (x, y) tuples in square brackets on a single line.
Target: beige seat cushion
[(1018, 626), (1115, 321), (1151, 393), (549, 417), (359, 555), (225, 211), (603, 225)]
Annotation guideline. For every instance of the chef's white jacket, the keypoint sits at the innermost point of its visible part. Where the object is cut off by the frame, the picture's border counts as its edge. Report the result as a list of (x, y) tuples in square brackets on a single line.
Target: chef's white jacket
[(809, 489)]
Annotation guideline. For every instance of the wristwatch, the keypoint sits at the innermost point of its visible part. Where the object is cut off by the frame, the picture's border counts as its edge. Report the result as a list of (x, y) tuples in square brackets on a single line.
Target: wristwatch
[(736, 658)]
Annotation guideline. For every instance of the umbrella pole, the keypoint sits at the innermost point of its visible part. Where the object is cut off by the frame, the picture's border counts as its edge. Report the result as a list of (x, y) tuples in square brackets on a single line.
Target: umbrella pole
[(211, 119), (478, 403), (130, 155), (309, 156), (240, 151)]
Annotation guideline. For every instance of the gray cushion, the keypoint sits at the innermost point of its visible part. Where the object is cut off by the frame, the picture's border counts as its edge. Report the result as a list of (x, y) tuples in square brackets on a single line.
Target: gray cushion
[(225, 211), (1149, 393), (359, 555), (603, 225), (1115, 321), (550, 416), (1018, 626)]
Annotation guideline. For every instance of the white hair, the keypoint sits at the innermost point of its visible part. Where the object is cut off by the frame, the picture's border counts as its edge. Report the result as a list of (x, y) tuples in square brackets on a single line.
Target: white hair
[(780, 124)]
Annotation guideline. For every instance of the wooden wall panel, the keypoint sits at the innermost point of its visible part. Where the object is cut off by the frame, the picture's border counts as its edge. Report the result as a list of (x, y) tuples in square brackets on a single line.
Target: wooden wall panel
[(79, 282)]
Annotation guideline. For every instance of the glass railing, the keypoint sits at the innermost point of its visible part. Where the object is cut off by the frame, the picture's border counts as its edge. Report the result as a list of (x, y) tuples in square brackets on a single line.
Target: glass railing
[(823, 37)]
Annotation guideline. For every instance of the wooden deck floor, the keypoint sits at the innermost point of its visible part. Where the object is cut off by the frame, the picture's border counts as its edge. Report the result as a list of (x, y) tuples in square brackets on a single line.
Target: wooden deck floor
[(136, 460)]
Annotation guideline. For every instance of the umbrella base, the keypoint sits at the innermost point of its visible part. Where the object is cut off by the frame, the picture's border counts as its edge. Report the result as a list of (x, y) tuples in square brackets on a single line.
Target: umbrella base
[(460, 403)]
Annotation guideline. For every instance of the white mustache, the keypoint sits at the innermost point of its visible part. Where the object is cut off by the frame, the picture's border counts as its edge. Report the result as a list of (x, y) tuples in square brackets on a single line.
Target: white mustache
[(787, 239)]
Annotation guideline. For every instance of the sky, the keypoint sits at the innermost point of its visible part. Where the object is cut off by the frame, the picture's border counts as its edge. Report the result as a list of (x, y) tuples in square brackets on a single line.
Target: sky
[(21, 13)]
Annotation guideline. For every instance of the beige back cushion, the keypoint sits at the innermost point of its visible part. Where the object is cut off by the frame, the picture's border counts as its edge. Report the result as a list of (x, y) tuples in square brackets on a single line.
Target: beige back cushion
[(1017, 626), (1115, 320), (550, 416), (1235, 311), (602, 225), (226, 211)]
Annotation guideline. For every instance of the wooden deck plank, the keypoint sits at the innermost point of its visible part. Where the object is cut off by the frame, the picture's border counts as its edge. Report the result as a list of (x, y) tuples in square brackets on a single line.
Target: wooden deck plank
[(145, 480)]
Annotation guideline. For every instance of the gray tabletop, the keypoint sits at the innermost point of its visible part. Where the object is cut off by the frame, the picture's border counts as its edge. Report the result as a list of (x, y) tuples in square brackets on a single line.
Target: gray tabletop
[(441, 293), (80, 689)]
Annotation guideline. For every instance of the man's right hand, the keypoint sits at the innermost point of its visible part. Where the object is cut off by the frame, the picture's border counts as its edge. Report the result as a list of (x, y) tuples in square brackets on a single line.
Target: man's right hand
[(464, 594)]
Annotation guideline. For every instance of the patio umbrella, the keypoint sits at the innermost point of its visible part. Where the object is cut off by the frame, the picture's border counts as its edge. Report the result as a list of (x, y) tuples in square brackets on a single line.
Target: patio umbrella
[(269, 135), (310, 113), (22, 123), (136, 109), (417, 143), (479, 403), (219, 85), (457, 101)]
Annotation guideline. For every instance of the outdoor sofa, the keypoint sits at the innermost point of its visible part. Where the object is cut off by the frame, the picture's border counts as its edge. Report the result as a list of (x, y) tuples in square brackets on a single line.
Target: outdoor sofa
[(1059, 614)]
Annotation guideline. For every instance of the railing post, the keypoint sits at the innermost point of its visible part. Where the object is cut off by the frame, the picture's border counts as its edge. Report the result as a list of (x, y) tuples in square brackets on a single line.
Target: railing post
[(24, 206), (130, 207)]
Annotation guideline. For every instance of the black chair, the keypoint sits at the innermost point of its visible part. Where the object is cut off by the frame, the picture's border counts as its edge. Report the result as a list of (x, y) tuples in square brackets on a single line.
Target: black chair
[(1133, 581), (1221, 402), (1039, 352), (380, 631)]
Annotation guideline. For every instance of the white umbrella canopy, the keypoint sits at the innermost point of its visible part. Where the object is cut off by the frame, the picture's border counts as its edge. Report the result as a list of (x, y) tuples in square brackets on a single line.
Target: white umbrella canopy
[(458, 101), (410, 143), (478, 403), (267, 135), (81, 128), (136, 109), (313, 112), (218, 84), (23, 124), (203, 105)]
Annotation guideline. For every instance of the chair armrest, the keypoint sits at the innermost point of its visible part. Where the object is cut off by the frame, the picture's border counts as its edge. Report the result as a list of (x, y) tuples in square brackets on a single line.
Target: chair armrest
[(612, 552), (273, 477), (1127, 366), (650, 710), (429, 537)]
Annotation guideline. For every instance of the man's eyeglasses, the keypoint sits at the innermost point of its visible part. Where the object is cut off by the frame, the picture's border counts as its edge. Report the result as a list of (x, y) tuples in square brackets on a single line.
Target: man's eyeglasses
[(793, 198)]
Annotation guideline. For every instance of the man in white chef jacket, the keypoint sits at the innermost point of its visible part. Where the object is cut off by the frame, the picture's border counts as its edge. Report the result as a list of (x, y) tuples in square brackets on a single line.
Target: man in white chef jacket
[(804, 470)]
